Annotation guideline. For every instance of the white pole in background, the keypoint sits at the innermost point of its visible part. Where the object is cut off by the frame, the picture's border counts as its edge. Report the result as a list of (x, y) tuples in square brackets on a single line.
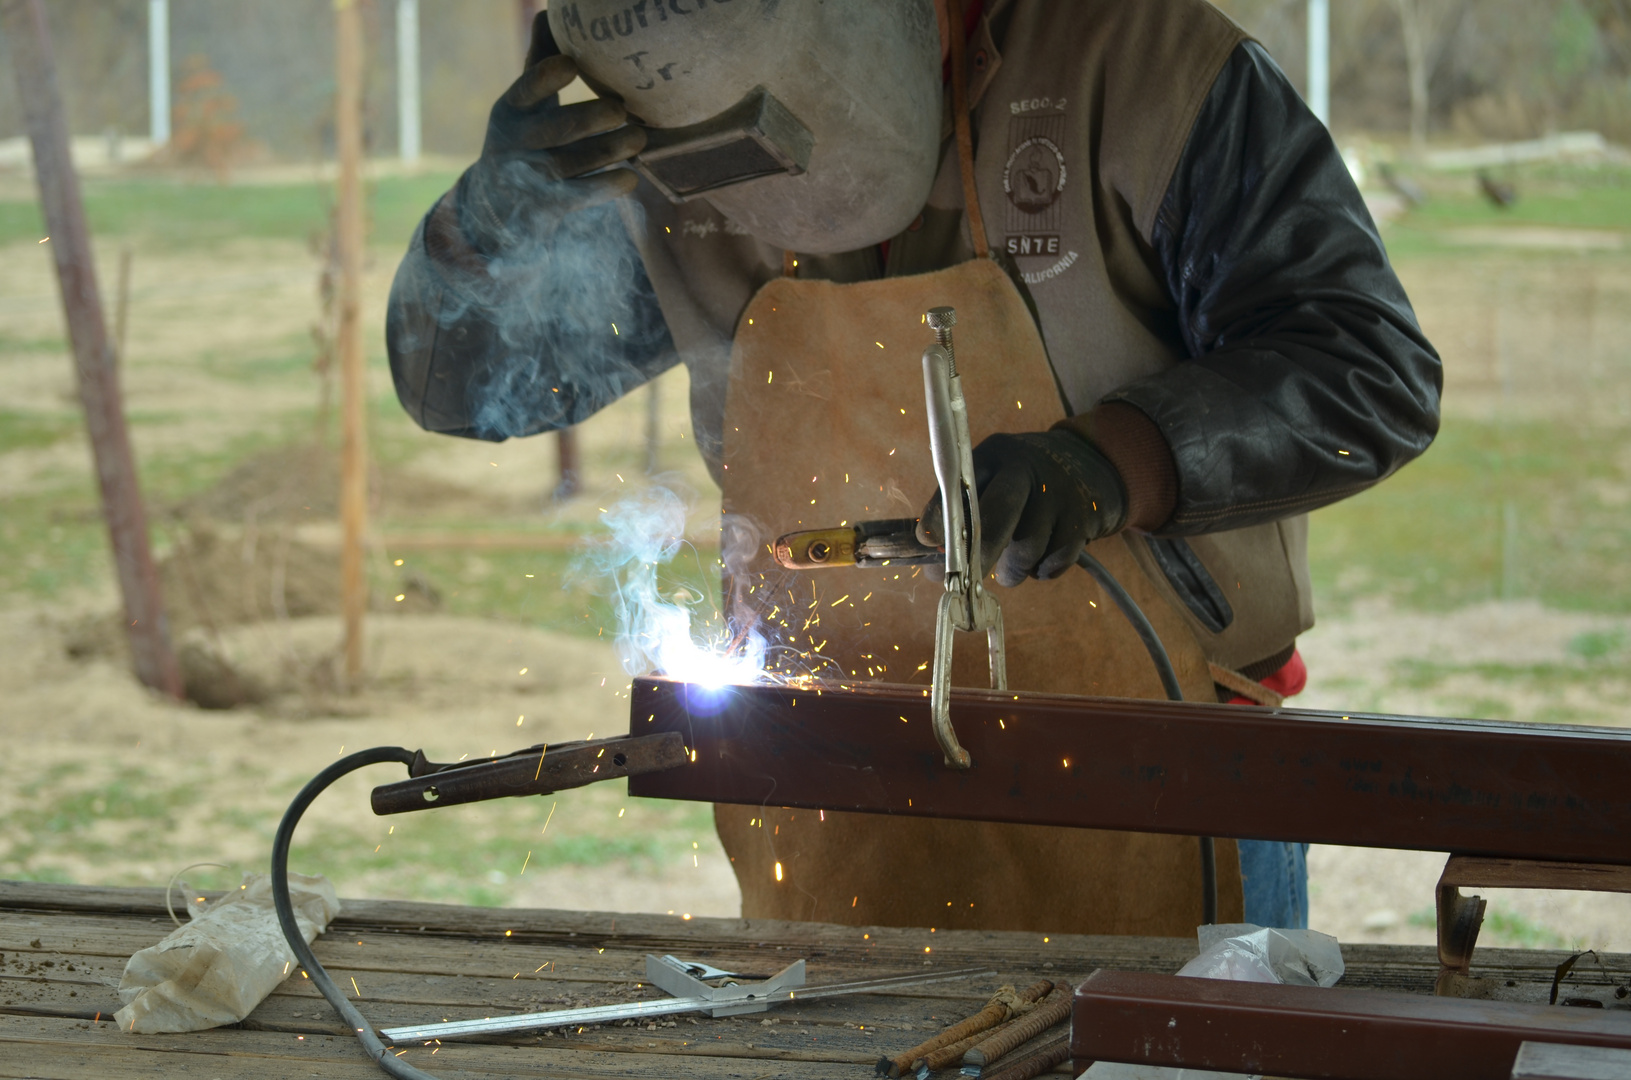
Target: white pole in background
[(407, 79), (1319, 59), (158, 71)]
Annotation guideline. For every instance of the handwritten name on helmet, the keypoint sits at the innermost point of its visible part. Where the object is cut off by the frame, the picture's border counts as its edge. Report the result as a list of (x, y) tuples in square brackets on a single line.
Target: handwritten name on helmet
[(638, 16)]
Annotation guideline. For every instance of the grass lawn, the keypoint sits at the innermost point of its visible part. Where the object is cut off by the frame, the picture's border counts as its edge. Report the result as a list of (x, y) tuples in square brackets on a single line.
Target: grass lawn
[(182, 214)]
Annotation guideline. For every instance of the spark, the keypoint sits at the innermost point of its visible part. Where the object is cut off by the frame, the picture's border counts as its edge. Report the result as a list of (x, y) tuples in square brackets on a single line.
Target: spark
[(620, 810), (399, 562), (614, 330), (1344, 453), (43, 241), (401, 597), (879, 344), (903, 412), (548, 819), (523, 671), (770, 377), (892, 451), (524, 863), (778, 865), (1019, 405), (1067, 763), (354, 986)]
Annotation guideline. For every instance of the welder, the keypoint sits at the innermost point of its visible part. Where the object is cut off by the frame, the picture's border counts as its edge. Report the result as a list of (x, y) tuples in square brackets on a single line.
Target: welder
[(1203, 302)]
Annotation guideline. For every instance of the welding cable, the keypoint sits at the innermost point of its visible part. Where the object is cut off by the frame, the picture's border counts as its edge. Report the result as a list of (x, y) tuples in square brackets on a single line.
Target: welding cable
[(1169, 682), (371, 1042)]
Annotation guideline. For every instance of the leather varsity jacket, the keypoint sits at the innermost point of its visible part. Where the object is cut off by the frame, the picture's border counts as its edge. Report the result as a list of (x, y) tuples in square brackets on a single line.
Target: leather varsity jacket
[(1216, 301)]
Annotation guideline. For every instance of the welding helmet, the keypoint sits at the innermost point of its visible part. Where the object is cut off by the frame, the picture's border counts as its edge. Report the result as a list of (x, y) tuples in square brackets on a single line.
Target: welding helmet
[(812, 124)]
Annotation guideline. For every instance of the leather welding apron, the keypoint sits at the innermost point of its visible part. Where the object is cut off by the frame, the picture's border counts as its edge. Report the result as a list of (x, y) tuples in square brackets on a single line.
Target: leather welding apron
[(825, 424)]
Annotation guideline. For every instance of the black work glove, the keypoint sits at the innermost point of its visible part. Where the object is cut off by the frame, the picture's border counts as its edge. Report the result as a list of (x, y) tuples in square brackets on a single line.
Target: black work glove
[(1043, 497), (533, 165)]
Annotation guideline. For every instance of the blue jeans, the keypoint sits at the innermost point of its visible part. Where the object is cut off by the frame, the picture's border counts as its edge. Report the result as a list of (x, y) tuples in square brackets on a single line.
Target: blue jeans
[(1275, 876)]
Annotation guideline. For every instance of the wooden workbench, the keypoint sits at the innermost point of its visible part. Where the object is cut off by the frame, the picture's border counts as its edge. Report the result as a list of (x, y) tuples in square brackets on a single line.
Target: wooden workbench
[(63, 948)]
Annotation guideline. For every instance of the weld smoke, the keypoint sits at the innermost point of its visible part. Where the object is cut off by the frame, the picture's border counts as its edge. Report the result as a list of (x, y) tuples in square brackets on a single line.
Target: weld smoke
[(682, 635)]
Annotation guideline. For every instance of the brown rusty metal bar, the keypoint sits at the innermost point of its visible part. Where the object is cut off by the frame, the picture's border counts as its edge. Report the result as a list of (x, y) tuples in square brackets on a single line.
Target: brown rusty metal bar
[(1317, 1033), (1053, 1011), (1049, 1052), (95, 367), (1466, 786)]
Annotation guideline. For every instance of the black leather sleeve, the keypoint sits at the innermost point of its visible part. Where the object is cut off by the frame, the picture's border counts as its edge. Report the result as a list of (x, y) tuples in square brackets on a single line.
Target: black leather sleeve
[(541, 338), (1308, 379)]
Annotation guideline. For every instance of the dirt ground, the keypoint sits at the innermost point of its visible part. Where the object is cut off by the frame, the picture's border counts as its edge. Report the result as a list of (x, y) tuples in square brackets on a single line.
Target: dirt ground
[(102, 782)]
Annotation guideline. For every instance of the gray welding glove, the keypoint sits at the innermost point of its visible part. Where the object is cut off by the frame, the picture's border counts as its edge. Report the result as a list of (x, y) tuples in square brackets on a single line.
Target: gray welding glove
[(536, 162), (1043, 497)]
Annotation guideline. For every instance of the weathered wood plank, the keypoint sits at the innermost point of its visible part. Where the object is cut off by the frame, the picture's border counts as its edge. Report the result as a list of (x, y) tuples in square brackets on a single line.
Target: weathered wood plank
[(657, 933), (1556, 1061), (215, 1053)]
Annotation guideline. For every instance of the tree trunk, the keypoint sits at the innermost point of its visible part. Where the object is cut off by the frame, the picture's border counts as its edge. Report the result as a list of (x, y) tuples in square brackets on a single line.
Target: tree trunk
[(1412, 21), (348, 225), (95, 366)]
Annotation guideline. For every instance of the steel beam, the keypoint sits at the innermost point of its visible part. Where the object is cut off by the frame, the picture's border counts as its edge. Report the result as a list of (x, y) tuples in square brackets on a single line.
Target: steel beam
[(1467, 786), (1320, 1034)]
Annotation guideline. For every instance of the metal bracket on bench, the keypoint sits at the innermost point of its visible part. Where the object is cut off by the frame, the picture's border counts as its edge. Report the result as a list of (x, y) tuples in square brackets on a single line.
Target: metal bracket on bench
[(1460, 917)]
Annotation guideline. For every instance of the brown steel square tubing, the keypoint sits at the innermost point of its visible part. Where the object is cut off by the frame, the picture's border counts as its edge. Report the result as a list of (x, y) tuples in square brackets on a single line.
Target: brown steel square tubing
[(1306, 1031), (1469, 786)]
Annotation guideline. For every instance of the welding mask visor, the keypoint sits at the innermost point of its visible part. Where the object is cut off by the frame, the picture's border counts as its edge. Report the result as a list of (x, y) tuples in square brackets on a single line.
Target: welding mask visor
[(812, 124)]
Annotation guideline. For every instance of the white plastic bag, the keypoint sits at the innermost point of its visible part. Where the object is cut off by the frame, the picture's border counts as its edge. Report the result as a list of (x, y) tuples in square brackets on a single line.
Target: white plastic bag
[(1247, 953), (215, 969)]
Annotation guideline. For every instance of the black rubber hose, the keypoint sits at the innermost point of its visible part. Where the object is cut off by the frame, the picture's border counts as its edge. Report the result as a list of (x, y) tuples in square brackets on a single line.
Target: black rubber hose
[(1146, 633), (1169, 682), (371, 1042)]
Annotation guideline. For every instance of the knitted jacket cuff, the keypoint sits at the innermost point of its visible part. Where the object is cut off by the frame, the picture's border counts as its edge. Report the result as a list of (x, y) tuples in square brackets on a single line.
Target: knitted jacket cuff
[(1136, 447)]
